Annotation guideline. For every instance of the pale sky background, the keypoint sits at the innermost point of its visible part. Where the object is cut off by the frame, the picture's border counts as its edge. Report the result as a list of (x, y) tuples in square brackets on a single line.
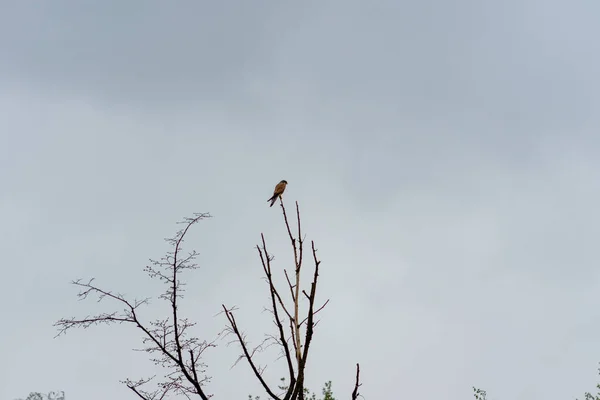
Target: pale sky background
[(445, 155)]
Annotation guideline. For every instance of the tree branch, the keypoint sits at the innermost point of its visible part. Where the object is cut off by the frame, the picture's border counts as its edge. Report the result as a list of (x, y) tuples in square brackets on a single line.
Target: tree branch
[(166, 338), (247, 355), (297, 248), (357, 384), (266, 262)]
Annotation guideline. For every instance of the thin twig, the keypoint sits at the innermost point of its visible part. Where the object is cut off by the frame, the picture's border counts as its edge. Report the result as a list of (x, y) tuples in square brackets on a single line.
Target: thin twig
[(275, 295), (247, 354), (167, 338), (357, 384)]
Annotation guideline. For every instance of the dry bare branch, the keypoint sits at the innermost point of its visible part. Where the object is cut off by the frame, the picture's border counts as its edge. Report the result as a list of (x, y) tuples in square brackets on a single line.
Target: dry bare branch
[(266, 262), (247, 355), (296, 360), (167, 340), (357, 384)]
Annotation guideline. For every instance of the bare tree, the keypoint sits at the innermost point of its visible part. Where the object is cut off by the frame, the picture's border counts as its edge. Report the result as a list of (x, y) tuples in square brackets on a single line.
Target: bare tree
[(170, 343), (292, 326), (166, 340)]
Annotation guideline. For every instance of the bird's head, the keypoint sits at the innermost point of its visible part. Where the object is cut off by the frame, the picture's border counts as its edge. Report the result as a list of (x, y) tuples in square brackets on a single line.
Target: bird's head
[(284, 182)]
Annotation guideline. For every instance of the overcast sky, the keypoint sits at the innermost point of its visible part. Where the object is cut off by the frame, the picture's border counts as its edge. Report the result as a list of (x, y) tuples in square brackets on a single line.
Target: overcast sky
[(445, 156)]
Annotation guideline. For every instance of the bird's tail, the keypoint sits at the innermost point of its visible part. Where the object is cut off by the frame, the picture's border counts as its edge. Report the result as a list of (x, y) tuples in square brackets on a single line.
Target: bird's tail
[(272, 200)]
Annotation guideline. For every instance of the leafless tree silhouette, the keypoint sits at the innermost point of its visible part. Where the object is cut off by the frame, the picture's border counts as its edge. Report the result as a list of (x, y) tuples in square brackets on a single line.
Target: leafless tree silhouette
[(292, 326), (167, 340), (170, 344)]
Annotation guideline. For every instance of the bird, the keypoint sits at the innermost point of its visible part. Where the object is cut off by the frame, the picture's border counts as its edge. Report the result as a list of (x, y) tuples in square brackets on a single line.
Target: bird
[(279, 189)]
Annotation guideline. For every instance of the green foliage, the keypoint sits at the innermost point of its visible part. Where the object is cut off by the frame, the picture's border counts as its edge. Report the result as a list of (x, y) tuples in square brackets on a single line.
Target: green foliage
[(49, 396), (479, 394), (326, 391), (589, 396)]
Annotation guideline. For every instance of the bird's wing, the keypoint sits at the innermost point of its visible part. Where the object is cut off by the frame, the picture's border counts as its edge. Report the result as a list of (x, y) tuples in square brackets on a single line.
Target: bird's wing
[(279, 188)]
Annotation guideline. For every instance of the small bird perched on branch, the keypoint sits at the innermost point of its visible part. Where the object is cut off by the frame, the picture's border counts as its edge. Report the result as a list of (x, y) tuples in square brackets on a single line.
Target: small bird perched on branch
[(279, 189)]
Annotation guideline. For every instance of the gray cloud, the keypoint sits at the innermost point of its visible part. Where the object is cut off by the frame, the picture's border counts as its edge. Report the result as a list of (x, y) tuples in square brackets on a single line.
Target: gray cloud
[(444, 156)]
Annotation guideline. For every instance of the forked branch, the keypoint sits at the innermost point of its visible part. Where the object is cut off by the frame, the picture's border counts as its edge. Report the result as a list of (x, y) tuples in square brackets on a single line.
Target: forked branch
[(246, 353), (167, 339), (295, 358)]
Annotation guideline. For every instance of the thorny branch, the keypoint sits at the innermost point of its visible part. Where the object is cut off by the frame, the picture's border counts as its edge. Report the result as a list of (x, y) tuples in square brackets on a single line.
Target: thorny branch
[(166, 339)]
